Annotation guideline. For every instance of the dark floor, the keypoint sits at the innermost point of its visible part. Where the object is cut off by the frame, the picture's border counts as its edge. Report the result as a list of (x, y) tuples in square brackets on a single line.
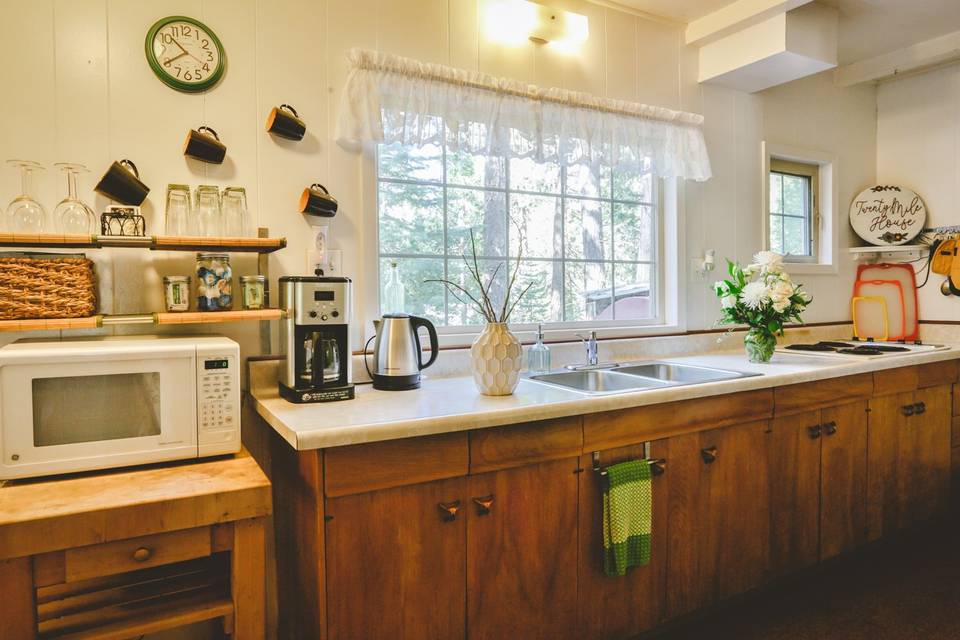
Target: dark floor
[(908, 588)]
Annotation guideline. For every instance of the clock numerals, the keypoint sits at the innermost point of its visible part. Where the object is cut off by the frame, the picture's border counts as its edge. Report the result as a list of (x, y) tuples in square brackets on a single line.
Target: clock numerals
[(205, 44), (185, 54)]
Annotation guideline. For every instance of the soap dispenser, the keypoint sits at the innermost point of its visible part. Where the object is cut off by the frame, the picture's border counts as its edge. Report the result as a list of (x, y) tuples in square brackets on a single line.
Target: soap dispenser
[(538, 357)]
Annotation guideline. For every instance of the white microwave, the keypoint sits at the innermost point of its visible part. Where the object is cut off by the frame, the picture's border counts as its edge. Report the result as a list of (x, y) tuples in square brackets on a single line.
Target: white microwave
[(82, 404)]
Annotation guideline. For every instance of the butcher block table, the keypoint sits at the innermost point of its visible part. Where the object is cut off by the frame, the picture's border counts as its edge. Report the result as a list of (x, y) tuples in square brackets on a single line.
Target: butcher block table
[(124, 553)]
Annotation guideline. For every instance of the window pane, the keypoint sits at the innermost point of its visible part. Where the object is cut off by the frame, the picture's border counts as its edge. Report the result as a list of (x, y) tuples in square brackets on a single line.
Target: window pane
[(588, 291), (592, 182), (587, 230), (411, 163), (540, 225), (795, 191), (420, 298), (463, 312), (634, 300), (526, 174), (411, 218), (485, 212), (794, 237), (776, 234), (776, 185), (636, 186), (476, 170), (542, 301), (633, 232)]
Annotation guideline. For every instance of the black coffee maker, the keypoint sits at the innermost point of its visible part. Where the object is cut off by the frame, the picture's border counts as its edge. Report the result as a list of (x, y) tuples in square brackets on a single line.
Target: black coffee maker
[(315, 339)]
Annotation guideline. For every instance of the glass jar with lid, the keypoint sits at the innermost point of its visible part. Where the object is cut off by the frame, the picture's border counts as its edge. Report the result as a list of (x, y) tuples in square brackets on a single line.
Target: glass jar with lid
[(176, 293), (214, 282), (252, 290)]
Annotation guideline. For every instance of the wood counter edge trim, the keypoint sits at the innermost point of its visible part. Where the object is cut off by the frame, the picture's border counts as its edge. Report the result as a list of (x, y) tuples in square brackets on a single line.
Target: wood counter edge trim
[(817, 394)]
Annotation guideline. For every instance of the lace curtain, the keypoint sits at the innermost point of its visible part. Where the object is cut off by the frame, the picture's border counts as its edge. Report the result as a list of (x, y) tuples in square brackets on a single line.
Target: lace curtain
[(392, 99)]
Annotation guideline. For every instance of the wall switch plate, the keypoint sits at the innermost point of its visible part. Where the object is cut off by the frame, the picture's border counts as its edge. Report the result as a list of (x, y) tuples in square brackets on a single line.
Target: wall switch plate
[(329, 262)]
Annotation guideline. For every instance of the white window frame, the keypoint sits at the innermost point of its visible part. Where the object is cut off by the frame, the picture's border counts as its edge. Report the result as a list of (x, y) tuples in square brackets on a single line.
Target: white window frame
[(669, 271), (824, 226)]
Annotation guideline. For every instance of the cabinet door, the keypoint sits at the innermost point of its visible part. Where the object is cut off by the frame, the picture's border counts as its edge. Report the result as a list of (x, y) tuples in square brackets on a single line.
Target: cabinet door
[(888, 450), (719, 515), (522, 552), (843, 473), (929, 466), (395, 563), (794, 457), (622, 606)]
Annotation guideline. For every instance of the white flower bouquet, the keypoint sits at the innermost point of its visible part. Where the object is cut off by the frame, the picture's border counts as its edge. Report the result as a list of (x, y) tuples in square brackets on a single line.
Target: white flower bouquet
[(763, 297)]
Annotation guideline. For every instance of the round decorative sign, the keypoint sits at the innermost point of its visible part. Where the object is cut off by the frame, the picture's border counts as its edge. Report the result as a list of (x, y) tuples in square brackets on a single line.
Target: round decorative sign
[(887, 215)]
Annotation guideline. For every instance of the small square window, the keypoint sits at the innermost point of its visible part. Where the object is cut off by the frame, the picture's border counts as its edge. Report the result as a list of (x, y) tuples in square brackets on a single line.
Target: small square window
[(793, 222)]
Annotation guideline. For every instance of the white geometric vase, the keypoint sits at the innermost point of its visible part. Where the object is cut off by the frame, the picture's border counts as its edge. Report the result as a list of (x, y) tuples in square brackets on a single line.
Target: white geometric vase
[(496, 357)]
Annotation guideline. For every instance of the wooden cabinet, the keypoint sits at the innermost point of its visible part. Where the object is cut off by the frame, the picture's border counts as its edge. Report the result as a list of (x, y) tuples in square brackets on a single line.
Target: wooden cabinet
[(719, 525), (396, 561), (908, 458), (623, 606), (522, 552), (818, 485)]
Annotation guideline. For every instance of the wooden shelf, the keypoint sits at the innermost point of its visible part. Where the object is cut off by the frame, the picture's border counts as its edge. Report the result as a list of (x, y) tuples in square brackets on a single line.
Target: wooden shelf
[(95, 322), (893, 252), (155, 243)]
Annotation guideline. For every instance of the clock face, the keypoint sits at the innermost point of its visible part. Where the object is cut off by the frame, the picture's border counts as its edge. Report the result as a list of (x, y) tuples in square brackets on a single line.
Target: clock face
[(185, 54)]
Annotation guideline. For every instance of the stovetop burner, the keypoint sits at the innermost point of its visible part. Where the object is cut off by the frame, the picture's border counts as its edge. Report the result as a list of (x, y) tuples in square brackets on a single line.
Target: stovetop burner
[(857, 348)]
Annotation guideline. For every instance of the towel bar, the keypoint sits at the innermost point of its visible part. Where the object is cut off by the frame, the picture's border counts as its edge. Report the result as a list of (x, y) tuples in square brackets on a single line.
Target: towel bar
[(658, 465)]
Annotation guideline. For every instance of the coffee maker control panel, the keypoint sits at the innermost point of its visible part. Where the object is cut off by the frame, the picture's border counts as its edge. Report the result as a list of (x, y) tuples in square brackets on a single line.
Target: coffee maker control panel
[(317, 303)]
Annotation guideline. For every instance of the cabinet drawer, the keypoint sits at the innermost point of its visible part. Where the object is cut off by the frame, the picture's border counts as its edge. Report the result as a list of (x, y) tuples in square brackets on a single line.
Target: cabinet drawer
[(521, 444), (135, 553), (359, 468), (806, 396), (916, 377)]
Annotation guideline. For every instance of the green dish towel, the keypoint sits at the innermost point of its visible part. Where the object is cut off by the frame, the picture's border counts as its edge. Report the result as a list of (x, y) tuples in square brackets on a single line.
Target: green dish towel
[(627, 517)]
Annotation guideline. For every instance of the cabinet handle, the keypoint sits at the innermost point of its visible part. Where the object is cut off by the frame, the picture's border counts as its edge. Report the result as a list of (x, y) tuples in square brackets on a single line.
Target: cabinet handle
[(814, 431), (484, 504), (142, 554), (908, 410), (709, 455), (920, 407), (830, 428), (448, 510)]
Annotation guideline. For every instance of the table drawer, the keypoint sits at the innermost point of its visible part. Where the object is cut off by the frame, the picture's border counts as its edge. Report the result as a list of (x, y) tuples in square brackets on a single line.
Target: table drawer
[(135, 553)]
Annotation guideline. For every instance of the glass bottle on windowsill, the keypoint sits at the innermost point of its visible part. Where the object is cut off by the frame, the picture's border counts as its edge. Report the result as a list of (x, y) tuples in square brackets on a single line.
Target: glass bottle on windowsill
[(538, 356), (393, 292)]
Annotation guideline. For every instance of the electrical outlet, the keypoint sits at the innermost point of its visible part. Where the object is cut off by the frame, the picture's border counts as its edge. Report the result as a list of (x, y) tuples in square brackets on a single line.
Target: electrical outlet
[(329, 262)]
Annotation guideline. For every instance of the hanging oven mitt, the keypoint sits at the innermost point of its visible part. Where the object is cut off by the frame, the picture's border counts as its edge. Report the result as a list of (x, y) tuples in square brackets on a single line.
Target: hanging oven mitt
[(954, 279), (943, 256)]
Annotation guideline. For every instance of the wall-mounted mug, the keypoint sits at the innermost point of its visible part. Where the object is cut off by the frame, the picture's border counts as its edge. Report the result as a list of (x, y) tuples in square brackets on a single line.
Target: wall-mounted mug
[(204, 144), (121, 183), (284, 121), (316, 200)]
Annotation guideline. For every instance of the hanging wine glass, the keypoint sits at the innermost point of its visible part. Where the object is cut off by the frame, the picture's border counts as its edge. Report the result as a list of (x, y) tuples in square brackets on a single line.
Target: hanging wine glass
[(73, 216), (25, 214)]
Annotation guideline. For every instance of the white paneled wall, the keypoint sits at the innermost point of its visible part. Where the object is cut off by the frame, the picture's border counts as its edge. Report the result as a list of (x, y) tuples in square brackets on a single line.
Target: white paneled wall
[(81, 91), (918, 131)]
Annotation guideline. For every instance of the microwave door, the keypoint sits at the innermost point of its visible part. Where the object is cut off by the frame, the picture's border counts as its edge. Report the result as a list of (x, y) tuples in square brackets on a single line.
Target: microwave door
[(74, 415)]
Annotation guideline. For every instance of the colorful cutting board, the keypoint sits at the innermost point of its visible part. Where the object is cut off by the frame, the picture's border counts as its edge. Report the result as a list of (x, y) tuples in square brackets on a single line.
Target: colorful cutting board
[(904, 274), (870, 318), (892, 294)]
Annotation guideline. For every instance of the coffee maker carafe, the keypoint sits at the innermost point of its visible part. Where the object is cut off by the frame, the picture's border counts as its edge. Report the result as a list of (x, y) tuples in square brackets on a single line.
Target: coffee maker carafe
[(315, 339)]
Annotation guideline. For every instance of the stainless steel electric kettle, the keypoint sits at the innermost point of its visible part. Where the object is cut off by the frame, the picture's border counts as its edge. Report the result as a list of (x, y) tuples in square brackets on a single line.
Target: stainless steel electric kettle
[(397, 356)]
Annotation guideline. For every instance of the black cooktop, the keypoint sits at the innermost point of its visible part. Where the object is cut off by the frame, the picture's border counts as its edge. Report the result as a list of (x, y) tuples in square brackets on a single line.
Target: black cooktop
[(848, 348)]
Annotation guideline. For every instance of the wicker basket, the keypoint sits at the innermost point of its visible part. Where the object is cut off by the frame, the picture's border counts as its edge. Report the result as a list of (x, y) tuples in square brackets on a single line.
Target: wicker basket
[(46, 287)]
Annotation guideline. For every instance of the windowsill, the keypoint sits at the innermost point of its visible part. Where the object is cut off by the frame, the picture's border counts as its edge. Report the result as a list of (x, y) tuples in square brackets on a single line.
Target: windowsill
[(810, 268)]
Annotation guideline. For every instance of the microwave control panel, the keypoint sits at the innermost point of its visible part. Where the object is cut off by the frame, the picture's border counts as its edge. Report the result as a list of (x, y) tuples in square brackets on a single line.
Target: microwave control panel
[(218, 400)]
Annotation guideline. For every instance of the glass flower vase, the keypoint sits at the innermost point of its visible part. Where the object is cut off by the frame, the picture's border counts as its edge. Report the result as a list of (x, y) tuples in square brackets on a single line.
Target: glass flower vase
[(759, 344)]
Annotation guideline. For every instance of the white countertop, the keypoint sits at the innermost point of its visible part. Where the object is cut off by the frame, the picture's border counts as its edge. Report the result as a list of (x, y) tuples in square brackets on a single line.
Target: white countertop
[(453, 404)]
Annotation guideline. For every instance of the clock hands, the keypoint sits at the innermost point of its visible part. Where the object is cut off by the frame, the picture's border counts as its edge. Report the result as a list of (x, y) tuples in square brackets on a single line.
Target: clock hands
[(185, 52), (169, 60)]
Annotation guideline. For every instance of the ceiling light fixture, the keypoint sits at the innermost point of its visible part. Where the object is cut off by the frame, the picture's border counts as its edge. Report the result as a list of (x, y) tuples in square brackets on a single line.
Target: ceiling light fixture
[(518, 21)]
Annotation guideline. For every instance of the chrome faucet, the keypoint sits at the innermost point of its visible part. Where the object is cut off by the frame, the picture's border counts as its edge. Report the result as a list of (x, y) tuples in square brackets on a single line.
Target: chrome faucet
[(590, 344)]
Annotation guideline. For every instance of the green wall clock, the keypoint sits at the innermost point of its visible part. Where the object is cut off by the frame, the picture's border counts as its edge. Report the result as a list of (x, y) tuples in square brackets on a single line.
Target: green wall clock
[(185, 54)]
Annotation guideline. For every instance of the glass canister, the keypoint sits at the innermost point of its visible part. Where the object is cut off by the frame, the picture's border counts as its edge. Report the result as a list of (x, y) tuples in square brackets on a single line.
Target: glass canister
[(251, 291), (214, 282), (176, 293)]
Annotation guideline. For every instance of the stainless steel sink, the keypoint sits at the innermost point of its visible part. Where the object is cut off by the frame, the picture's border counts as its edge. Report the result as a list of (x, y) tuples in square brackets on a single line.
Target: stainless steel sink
[(681, 373), (598, 382), (636, 376)]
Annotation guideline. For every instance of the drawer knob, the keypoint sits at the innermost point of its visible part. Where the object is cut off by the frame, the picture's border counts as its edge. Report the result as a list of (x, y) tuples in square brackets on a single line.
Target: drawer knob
[(448, 510), (814, 431), (920, 407), (142, 554), (908, 410), (484, 504), (830, 428), (709, 455)]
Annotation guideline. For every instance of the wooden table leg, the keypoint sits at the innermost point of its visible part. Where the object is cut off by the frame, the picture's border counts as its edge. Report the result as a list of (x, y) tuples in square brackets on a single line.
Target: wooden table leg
[(17, 607), (247, 579)]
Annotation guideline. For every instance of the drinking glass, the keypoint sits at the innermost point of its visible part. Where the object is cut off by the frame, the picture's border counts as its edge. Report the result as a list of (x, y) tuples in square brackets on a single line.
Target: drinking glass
[(72, 216), (178, 214), (25, 214), (209, 214), (235, 212)]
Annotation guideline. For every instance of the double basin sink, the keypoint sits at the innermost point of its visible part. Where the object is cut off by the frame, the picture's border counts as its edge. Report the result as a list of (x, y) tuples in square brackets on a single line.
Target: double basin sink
[(626, 378)]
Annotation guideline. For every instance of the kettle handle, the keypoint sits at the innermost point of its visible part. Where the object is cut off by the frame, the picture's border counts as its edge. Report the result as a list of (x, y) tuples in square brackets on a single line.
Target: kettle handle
[(416, 322)]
